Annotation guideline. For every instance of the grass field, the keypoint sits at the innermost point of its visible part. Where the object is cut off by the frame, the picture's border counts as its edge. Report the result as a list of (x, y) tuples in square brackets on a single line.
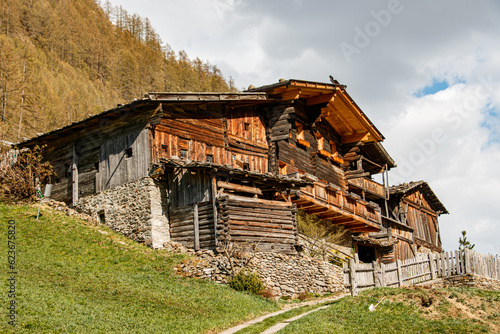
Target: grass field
[(452, 310), (73, 277)]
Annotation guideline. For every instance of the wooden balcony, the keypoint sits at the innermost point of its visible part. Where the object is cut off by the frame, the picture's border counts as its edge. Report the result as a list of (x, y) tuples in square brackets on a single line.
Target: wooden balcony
[(340, 207), (369, 186)]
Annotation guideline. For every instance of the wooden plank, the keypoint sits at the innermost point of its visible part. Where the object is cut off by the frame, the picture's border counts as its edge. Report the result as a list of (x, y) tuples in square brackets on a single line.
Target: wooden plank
[(74, 176), (400, 273), (354, 286), (237, 187)]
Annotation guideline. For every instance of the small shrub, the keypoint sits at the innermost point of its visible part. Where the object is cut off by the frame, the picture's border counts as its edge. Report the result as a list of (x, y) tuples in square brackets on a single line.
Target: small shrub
[(246, 281), (267, 293), (305, 295), (22, 173)]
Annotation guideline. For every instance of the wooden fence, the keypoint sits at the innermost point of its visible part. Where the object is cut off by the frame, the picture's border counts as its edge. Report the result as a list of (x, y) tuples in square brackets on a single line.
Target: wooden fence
[(425, 267)]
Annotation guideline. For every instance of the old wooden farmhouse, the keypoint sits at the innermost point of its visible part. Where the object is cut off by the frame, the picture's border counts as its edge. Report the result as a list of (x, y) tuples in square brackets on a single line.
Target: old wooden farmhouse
[(204, 168)]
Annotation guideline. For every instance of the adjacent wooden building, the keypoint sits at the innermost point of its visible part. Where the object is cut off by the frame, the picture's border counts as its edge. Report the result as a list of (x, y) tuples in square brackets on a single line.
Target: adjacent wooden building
[(213, 167)]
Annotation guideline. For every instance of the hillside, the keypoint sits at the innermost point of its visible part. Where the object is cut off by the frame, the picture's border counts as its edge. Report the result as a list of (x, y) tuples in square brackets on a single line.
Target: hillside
[(62, 60), (74, 277)]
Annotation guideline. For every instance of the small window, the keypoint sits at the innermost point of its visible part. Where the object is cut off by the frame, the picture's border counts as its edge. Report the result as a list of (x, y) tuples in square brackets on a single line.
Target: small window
[(210, 158), (128, 152), (321, 141), (282, 167), (333, 147), (246, 166), (300, 130), (247, 126), (96, 166), (184, 154), (164, 148)]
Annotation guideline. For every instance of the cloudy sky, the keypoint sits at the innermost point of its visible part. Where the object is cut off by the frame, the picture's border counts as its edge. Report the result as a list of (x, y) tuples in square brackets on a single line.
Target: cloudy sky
[(427, 73)]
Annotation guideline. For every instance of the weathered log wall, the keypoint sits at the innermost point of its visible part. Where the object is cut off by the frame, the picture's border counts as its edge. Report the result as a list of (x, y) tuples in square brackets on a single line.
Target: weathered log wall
[(79, 156), (296, 145), (269, 225), (234, 137), (193, 225), (188, 187), (421, 218)]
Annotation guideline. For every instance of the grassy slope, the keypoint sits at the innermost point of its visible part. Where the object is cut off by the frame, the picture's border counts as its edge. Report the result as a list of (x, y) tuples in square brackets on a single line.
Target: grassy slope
[(76, 278), (453, 310)]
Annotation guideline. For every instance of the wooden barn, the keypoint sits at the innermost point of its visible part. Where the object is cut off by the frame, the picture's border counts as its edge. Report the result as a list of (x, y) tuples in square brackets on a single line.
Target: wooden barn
[(410, 226), (204, 168)]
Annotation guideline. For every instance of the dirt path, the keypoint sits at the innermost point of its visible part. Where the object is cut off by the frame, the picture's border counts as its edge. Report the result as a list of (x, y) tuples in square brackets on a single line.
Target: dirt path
[(286, 308)]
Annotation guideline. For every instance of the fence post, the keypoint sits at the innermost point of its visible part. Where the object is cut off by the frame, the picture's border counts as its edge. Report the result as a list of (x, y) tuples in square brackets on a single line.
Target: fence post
[(352, 269), (438, 265), (400, 274), (382, 275), (377, 274), (462, 261), (432, 266), (468, 269)]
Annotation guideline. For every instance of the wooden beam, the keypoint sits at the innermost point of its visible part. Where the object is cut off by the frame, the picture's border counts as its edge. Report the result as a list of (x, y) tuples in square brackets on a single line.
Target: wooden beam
[(238, 187), (292, 94), (318, 99), (357, 137)]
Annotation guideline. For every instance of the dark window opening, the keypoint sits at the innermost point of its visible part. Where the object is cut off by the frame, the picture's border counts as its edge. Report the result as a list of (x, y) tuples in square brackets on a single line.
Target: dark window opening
[(102, 218), (184, 154), (247, 126), (128, 152), (210, 158), (246, 166), (96, 166), (366, 253), (164, 147)]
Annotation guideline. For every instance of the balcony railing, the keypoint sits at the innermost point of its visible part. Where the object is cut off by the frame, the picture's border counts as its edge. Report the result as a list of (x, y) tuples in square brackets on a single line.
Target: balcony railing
[(348, 209), (369, 186)]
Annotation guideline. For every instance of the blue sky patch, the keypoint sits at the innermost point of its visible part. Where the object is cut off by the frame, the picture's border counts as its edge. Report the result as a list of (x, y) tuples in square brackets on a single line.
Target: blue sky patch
[(436, 86)]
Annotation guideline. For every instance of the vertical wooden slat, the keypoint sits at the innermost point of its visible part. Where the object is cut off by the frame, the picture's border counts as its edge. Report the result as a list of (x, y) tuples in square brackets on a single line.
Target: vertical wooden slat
[(432, 266), (74, 176), (214, 204), (354, 288), (400, 273), (196, 228)]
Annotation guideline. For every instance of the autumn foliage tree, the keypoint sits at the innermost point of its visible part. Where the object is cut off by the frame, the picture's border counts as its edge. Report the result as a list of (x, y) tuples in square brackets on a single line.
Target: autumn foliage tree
[(63, 60), (21, 173)]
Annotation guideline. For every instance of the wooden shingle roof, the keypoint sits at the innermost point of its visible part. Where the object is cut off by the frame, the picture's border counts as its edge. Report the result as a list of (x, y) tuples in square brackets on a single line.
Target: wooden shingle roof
[(425, 189)]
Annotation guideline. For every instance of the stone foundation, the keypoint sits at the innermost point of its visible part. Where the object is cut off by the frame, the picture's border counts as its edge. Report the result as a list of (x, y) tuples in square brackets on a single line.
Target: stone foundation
[(283, 275), (471, 280), (135, 209)]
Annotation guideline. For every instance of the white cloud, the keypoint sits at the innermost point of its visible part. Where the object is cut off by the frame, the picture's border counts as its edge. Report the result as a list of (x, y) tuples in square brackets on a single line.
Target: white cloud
[(257, 42)]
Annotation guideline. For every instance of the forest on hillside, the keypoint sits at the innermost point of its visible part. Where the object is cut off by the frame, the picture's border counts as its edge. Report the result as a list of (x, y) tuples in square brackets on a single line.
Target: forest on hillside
[(63, 60)]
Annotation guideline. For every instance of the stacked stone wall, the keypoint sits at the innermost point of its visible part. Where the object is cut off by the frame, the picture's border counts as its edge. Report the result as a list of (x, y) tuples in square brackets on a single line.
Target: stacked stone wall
[(471, 280), (135, 209), (283, 275)]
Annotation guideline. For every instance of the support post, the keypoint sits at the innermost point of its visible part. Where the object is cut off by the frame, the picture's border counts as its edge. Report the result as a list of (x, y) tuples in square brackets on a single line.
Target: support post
[(432, 266), (196, 228), (214, 205), (400, 273), (352, 273), (74, 176)]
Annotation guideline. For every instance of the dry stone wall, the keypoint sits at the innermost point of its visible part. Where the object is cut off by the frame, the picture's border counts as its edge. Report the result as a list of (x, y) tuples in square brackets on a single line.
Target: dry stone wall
[(471, 280), (135, 209), (283, 275)]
